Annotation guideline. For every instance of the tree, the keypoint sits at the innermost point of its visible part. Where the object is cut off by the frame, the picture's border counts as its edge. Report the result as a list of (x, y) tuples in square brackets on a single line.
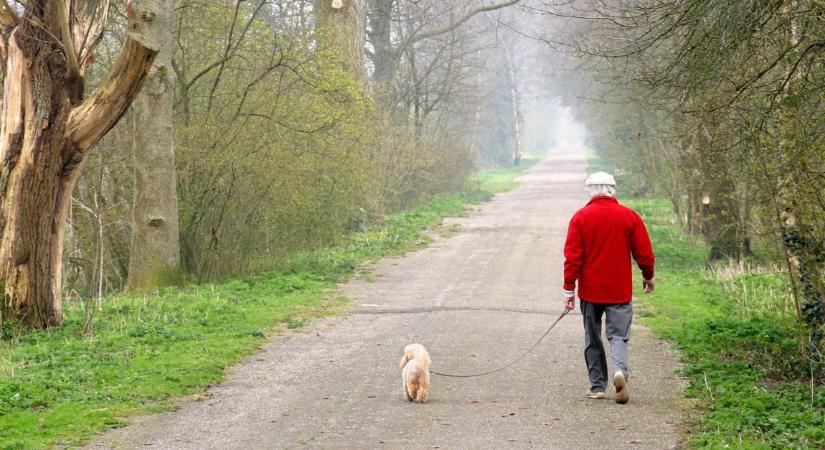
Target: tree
[(341, 31), (155, 251), (47, 130)]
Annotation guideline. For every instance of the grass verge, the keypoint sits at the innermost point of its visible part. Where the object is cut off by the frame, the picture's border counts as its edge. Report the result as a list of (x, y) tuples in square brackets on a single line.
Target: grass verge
[(738, 345), (61, 386), (499, 179)]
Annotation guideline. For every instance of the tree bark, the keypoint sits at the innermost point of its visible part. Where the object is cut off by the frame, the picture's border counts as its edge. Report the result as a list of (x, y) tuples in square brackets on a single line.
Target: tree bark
[(47, 130), (383, 57), (155, 250), (342, 31)]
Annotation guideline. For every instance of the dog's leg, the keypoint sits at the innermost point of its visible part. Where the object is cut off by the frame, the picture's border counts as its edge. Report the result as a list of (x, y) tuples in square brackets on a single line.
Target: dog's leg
[(423, 389), (421, 395), (407, 395)]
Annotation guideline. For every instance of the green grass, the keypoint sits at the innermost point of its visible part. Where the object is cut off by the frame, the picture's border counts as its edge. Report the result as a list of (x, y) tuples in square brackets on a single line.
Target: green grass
[(499, 179), (742, 358), (60, 386)]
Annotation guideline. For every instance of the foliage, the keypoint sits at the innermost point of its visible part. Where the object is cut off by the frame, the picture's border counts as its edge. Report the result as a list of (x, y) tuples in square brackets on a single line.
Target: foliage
[(744, 365), (279, 147), (499, 179)]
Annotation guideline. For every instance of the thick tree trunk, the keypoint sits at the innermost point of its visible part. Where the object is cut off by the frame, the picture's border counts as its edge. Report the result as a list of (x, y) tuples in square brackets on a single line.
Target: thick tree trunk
[(342, 31), (36, 172), (46, 133), (155, 251)]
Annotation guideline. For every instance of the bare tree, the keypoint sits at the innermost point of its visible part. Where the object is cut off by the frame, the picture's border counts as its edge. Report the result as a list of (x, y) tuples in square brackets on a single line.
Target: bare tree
[(48, 128)]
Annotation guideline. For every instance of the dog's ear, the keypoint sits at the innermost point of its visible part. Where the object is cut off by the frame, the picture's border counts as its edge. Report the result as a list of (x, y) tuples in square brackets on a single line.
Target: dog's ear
[(422, 357), (404, 360)]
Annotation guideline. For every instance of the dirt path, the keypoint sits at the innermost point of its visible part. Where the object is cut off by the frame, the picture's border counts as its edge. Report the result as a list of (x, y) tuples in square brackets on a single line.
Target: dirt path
[(472, 300)]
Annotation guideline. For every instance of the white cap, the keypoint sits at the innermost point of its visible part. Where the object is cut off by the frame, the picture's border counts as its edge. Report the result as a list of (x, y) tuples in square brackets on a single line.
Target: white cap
[(600, 178)]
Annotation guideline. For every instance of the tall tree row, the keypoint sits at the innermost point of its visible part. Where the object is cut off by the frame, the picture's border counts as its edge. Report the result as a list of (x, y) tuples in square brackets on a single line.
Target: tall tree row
[(262, 128)]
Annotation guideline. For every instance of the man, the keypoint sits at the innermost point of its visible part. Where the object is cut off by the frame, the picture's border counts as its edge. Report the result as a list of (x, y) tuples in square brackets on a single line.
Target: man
[(601, 238)]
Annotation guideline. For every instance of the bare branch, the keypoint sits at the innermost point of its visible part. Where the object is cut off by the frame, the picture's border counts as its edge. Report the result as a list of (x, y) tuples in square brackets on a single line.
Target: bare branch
[(68, 45), (100, 112), (461, 21)]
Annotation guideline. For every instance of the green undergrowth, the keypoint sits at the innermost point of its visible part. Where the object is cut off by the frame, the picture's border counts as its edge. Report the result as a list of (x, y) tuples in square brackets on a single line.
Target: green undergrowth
[(738, 344), (60, 386), (499, 179)]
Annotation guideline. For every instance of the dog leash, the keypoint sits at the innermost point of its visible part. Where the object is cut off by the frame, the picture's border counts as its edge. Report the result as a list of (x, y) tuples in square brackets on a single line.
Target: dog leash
[(564, 313)]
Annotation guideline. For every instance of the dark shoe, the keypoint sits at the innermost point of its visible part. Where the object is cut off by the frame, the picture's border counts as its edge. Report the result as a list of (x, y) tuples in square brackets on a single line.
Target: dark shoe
[(622, 391)]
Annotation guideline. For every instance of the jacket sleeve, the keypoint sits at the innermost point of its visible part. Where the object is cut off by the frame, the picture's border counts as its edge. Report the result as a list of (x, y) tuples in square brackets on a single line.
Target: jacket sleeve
[(641, 249), (573, 254)]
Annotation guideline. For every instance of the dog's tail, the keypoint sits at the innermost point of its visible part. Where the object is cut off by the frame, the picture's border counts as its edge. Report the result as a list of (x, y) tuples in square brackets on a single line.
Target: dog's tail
[(422, 358)]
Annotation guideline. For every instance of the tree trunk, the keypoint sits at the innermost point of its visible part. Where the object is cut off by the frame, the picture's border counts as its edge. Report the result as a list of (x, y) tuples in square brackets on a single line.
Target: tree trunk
[(155, 250), (342, 31), (805, 254), (511, 81), (47, 130), (383, 57)]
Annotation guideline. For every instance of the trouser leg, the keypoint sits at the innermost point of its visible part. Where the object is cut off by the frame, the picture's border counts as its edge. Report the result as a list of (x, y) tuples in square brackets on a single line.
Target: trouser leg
[(617, 327), (594, 354)]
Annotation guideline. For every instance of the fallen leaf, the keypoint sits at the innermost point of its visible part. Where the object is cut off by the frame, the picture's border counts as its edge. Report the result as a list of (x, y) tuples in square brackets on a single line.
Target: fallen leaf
[(512, 414), (473, 401), (634, 441)]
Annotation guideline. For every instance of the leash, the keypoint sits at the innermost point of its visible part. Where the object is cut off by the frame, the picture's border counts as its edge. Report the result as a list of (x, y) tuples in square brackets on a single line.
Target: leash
[(564, 313)]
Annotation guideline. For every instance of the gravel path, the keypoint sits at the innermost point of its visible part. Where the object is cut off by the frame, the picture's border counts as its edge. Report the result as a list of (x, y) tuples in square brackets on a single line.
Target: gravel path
[(476, 301)]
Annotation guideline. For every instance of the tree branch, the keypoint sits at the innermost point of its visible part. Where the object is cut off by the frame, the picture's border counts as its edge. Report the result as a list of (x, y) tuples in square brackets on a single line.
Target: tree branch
[(416, 36), (90, 120), (461, 21), (68, 45)]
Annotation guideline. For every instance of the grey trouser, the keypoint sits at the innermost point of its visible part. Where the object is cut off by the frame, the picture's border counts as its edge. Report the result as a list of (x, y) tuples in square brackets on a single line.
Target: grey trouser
[(617, 328)]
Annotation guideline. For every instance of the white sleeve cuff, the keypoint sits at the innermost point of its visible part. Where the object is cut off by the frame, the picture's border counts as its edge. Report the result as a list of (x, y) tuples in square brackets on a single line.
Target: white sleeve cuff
[(568, 293)]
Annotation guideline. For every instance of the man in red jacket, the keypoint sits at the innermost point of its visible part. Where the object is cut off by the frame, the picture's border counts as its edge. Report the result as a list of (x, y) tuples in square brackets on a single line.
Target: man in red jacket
[(601, 238)]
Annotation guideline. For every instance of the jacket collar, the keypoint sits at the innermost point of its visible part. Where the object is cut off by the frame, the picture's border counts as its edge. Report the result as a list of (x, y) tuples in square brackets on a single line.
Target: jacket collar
[(602, 198)]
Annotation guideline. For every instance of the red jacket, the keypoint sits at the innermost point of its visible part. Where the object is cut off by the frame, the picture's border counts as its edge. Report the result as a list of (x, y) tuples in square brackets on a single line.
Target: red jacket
[(601, 238)]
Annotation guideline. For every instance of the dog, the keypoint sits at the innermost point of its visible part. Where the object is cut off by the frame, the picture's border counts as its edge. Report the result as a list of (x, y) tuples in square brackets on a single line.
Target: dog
[(416, 374)]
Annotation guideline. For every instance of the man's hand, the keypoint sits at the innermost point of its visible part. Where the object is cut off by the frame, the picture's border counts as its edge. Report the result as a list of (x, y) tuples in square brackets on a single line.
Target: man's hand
[(648, 285), (570, 303)]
